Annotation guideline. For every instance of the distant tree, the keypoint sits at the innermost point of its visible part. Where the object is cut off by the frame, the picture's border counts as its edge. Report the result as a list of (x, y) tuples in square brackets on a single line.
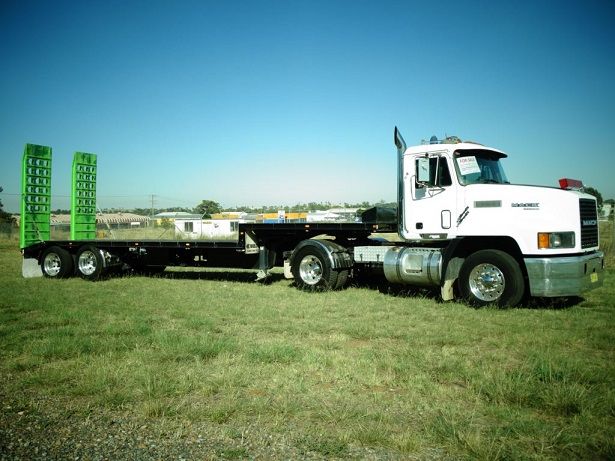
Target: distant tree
[(166, 223), (176, 209), (207, 208), (595, 193), (4, 216), (144, 211)]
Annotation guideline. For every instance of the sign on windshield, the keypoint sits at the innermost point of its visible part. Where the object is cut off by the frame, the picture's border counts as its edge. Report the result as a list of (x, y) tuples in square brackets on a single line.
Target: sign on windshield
[(468, 165)]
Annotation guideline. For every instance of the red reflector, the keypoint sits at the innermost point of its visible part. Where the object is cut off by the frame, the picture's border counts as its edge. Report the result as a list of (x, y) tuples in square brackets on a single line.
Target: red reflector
[(567, 183)]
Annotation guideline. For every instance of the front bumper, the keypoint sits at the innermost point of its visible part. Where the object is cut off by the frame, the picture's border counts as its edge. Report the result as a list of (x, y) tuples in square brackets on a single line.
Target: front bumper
[(565, 276)]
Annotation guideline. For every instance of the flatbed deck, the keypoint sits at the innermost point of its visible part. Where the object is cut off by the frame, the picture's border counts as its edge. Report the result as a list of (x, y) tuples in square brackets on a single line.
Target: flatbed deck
[(253, 240)]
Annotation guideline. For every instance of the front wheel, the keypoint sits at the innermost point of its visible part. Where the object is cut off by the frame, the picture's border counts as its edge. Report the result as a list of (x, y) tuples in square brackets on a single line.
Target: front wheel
[(491, 277)]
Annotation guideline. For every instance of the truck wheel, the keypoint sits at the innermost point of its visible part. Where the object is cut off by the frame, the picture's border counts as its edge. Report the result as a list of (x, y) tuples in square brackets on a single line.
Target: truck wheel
[(56, 263), (90, 263), (312, 270), (491, 277)]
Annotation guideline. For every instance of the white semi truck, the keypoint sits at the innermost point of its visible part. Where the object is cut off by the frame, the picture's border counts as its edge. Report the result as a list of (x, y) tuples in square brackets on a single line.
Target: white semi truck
[(461, 227)]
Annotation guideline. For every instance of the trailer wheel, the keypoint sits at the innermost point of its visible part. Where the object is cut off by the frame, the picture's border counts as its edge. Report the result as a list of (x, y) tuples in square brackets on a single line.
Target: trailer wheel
[(312, 270), (491, 277), (90, 263), (56, 263)]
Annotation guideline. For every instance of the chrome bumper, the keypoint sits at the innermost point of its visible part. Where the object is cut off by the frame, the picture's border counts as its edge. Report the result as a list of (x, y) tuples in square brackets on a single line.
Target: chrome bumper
[(565, 276)]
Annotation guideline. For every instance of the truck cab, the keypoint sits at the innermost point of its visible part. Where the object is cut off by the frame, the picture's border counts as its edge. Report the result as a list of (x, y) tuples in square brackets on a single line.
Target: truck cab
[(456, 196)]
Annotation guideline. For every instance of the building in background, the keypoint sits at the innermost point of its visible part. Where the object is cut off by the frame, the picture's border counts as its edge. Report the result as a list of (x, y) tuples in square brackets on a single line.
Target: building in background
[(221, 226), (168, 218)]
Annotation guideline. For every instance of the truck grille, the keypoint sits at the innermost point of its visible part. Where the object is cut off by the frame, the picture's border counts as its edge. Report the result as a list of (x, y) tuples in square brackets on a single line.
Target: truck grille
[(589, 223)]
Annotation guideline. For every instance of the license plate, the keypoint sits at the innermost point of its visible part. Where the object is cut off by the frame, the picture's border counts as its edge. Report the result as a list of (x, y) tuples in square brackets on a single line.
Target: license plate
[(593, 277)]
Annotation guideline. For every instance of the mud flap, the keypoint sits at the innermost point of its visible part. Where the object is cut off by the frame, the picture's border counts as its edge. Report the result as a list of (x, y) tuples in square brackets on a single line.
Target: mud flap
[(30, 268), (452, 273)]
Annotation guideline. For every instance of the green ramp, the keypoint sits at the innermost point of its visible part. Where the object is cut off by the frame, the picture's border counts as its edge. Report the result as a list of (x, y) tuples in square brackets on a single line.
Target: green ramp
[(35, 195), (83, 197)]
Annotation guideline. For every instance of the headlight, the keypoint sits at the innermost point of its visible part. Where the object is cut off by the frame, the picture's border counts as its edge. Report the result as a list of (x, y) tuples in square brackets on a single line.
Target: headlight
[(549, 240)]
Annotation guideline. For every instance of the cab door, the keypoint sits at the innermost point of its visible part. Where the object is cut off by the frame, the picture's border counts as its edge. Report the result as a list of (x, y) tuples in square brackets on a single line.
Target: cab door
[(430, 199)]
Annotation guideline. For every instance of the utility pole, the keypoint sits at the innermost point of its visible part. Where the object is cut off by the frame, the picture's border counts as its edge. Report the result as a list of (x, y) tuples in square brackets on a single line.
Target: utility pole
[(151, 209)]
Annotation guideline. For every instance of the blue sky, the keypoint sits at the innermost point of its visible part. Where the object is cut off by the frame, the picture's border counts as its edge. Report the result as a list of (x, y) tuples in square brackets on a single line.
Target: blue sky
[(280, 102)]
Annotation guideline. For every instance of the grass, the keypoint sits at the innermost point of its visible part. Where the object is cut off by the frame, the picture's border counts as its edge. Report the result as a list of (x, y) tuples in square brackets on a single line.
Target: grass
[(357, 373)]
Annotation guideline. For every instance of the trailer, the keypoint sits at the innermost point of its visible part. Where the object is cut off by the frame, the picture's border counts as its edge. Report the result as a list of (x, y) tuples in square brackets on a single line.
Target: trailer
[(460, 227)]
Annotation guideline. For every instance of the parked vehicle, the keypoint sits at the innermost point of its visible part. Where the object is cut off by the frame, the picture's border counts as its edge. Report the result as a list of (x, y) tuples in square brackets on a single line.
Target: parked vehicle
[(461, 227)]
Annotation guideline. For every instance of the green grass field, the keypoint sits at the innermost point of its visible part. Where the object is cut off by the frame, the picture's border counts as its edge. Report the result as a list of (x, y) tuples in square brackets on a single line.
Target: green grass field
[(271, 372)]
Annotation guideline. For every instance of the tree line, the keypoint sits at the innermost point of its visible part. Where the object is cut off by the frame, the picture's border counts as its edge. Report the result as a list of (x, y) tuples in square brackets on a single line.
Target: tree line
[(208, 207)]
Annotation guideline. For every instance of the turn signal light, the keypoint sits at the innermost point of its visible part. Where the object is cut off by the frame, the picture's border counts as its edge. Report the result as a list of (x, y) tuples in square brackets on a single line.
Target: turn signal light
[(543, 240)]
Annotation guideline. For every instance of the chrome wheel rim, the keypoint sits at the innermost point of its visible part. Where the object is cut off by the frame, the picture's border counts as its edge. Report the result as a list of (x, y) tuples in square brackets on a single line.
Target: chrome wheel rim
[(310, 270), (52, 264), (87, 262), (487, 282)]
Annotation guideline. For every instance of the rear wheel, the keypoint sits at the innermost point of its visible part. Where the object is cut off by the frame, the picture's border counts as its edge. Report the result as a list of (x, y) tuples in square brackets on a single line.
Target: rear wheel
[(57, 263), (491, 277), (312, 270), (90, 263)]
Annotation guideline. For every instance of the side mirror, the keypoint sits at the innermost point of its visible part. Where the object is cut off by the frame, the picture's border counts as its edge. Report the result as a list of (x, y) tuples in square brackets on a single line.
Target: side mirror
[(422, 170)]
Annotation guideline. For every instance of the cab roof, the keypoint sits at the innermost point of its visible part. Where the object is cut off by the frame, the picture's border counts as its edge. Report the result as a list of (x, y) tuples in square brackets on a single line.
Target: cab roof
[(450, 147)]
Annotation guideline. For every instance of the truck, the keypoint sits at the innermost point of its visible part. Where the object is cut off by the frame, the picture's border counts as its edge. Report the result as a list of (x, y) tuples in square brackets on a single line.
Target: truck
[(460, 226)]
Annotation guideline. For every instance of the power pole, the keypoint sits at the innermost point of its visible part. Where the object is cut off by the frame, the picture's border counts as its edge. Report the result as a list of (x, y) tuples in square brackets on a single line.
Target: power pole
[(151, 209)]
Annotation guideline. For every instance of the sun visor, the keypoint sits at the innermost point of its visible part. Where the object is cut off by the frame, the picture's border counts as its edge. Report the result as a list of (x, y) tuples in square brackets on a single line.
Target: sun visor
[(495, 154)]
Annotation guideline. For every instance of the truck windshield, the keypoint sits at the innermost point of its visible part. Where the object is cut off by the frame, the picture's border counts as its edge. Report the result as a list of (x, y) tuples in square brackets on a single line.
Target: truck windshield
[(479, 167)]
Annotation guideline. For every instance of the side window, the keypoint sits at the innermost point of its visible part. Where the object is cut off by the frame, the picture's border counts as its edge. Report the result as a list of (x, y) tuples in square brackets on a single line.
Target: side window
[(444, 177), (439, 175), (188, 226)]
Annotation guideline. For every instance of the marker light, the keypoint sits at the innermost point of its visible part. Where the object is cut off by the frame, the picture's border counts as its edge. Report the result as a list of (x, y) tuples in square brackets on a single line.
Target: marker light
[(570, 184), (549, 240)]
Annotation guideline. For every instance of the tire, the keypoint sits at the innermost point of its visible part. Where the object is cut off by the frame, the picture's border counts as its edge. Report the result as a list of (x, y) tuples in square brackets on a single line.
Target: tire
[(491, 277), (57, 263), (90, 263), (312, 270)]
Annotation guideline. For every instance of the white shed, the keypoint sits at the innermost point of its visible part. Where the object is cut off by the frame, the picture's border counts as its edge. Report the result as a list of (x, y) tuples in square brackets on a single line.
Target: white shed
[(207, 229)]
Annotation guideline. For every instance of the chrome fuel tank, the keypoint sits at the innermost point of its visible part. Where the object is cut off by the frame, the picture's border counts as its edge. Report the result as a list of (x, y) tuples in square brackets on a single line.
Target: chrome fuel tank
[(413, 266)]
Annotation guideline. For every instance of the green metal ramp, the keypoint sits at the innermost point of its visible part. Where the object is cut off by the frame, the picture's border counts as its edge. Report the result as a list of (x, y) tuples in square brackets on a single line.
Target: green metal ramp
[(35, 195), (83, 197)]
